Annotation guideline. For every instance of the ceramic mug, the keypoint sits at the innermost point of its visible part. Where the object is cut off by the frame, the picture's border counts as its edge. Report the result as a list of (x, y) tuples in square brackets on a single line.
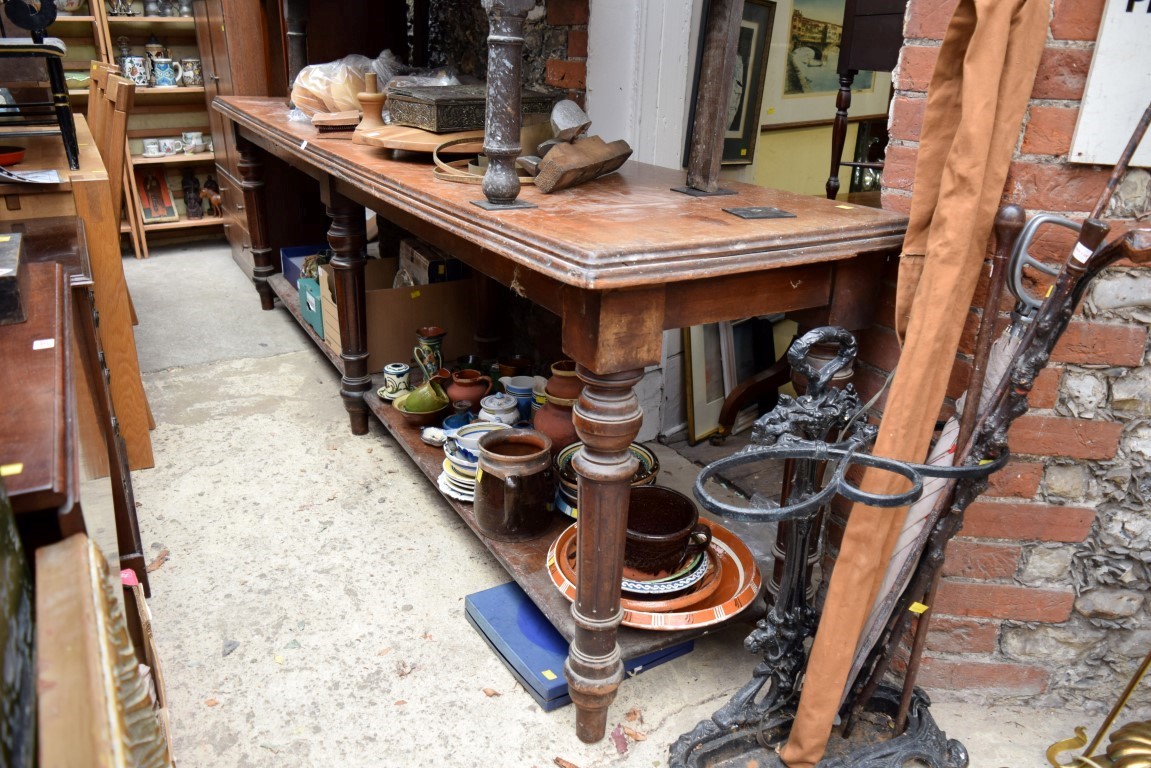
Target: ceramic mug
[(193, 72), (192, 137), (193, 149), (663, 529), (135, 68), (396, 377), (152, 148), (170, 146), (514, 485), (166, 73)]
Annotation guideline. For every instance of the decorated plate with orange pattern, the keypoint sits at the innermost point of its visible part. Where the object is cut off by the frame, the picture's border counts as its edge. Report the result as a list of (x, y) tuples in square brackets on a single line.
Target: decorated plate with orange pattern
[(739, 583)]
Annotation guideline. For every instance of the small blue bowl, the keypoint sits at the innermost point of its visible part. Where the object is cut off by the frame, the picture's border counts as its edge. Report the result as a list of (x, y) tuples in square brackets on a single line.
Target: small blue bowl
[(457, 420)]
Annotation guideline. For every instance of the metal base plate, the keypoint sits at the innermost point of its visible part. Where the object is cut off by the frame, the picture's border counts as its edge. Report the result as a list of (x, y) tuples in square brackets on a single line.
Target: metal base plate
[(760, 212), (488, 205), (700, 193)]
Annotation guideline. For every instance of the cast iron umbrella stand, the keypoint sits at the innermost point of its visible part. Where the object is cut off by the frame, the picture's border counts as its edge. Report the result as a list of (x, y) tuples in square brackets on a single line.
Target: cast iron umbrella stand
[(758, 717)]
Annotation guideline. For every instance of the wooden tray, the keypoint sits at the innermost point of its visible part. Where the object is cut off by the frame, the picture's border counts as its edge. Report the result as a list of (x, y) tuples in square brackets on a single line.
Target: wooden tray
[(418, 140)]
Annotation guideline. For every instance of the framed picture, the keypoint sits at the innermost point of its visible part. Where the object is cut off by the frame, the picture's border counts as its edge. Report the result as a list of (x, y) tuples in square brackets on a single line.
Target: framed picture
[(802, 81), (747, 81), (155, 198), (718, 357)]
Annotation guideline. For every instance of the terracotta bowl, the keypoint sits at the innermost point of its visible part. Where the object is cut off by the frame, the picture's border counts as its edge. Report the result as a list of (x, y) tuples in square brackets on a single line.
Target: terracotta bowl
[(420, 419)]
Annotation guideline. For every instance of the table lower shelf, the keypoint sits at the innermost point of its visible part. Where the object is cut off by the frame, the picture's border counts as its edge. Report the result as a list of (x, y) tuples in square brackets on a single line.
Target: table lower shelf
[(524, 561)]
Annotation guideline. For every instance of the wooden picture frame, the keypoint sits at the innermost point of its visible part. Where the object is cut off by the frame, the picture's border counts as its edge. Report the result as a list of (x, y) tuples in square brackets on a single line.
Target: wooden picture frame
[(748, 77), (155, 197), (711, 372), (802, 80)]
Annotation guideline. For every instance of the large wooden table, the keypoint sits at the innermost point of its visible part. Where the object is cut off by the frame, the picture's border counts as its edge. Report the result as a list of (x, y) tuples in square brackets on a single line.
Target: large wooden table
[(619, 260)]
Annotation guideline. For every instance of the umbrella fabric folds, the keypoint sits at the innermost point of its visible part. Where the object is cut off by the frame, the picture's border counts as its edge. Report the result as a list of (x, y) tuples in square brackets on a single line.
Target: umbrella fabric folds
[(975, 107)]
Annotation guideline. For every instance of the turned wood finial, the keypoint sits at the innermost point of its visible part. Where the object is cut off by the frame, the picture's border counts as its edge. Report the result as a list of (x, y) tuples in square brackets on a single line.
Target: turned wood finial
[(372, 103)]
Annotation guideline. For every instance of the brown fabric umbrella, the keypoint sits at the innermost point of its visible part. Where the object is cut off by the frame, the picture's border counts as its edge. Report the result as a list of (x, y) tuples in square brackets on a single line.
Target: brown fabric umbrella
[(975, 107)]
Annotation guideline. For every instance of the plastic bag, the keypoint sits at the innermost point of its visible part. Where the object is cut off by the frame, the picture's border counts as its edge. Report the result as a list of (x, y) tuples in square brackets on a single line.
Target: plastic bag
[(332, 87)]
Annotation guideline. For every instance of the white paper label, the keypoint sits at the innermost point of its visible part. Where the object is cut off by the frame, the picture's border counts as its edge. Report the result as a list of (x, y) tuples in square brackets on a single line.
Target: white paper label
[(311, 302), (1081, 253), (43, 344)]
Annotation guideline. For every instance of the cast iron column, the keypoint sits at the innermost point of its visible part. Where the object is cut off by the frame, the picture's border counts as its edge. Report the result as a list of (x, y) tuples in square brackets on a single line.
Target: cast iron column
[(501, 184)]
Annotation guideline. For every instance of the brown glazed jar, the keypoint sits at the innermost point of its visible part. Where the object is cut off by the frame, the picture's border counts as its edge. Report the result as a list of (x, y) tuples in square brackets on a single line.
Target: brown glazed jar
[(515, 485)]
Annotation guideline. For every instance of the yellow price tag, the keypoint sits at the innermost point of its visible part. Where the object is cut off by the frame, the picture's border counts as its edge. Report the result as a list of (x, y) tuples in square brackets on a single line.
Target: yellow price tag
[(548, 674), (7, 470), (846, 207), (917, 608), (479, 475), (415, 294), (5, 238)]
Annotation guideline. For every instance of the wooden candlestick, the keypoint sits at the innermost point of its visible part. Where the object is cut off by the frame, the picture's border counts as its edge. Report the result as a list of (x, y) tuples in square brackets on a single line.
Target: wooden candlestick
[(372, 103)]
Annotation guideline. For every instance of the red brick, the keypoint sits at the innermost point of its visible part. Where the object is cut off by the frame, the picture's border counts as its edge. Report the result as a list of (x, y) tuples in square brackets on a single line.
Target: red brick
[(1049, 187), (568, 12), (1049, 130), (951, 635), (1076, 19), (1019, 521), (907, 118), (577, 43), (899, 168), (981, 560), (895, 200), (929, 18), (916, 65), (1055, 436), (1004, 601), (1090, 343), (1062, 73), (1045, 393), (566, 74), (1052, 245), (946, 674), (1018, 479)]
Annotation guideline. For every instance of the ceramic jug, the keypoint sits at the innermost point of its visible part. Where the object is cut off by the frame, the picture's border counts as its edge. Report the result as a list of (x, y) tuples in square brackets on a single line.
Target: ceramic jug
[(554, 419), (471, 385), (499, 407), (514, 485)]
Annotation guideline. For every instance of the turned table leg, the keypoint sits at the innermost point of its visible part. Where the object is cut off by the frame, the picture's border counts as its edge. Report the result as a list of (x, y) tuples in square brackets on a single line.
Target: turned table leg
[(348, 238), (251, 167), (607, 419)]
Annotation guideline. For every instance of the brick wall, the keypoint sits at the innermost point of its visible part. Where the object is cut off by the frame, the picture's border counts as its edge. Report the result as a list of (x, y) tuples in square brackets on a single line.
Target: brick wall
[(1044, 589), (555, 42)]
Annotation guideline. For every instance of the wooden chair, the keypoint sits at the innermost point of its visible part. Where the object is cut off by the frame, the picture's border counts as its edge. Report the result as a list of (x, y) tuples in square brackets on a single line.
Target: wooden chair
[(27, 118), (110, 100)]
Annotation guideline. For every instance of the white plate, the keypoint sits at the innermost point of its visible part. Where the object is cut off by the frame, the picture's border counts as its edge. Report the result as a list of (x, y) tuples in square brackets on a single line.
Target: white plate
[(447, 490)]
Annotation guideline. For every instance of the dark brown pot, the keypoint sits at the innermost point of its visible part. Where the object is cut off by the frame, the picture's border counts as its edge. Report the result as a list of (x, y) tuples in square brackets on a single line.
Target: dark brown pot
[(515, 485)]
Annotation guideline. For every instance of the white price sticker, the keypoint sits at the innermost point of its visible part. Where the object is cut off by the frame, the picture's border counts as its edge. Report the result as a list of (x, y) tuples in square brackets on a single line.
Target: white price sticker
[(43, 344)]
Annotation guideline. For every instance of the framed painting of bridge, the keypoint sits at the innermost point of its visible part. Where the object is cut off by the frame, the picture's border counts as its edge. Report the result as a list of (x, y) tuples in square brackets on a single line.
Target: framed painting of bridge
[(801, 78)]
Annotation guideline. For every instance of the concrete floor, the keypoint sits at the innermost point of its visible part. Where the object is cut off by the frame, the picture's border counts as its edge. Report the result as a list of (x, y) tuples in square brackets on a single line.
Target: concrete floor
[(312, 609)]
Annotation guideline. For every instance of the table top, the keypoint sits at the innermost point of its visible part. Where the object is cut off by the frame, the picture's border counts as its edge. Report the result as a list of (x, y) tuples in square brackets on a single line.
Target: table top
[(46, 153), (625, 230)]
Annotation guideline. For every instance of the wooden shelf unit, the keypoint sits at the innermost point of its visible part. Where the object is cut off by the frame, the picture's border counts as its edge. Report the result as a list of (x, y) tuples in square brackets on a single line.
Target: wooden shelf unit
[(158, 112)]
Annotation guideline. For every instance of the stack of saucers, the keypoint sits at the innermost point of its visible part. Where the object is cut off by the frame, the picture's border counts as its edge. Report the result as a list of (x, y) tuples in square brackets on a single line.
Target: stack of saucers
[(566, 489), (458, 480)]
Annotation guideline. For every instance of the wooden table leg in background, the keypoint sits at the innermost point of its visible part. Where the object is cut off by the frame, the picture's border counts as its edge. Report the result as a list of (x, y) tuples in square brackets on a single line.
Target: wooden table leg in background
[(607, 419), (348, 238), (251, 167)]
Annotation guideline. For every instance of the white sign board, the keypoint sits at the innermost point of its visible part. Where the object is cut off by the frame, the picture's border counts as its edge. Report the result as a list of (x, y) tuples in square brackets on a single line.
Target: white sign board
[(1118, 87)]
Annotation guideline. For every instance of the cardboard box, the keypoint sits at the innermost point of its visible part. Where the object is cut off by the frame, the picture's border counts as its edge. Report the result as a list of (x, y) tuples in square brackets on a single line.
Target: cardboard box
[(394, 314), (531, 647), (328, 309), (428, 264), (292, 260), (309, 288)]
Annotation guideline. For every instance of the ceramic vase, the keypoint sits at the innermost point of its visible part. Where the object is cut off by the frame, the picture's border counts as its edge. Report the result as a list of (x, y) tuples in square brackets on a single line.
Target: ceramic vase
[(514, 485), (554, 418), (471, 385), (430, 338)]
